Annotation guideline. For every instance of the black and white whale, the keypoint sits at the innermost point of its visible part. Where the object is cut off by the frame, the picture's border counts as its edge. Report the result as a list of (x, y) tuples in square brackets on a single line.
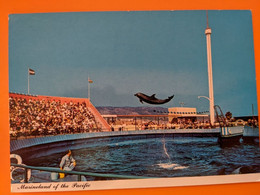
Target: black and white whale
[(152, 99)]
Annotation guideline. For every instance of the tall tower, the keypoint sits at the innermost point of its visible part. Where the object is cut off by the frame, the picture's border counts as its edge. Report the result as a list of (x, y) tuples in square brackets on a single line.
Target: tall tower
[(210, 77)]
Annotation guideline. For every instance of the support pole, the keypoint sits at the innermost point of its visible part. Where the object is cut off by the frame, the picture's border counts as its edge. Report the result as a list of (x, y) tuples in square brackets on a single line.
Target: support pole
[(26, 175), (28, 81), (253, 112), (88, 89), (210, 77)]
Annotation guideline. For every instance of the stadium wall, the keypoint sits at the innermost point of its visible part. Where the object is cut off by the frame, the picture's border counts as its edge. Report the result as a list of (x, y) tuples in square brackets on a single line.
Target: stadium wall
[(32, 142)]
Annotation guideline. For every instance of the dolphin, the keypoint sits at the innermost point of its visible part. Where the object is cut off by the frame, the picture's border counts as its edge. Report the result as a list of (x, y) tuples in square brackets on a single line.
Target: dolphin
[(152, 99)]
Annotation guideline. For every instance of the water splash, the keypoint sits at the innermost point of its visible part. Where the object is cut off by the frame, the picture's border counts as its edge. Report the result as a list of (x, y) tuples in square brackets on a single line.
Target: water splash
[(171, 166), (164, 148)]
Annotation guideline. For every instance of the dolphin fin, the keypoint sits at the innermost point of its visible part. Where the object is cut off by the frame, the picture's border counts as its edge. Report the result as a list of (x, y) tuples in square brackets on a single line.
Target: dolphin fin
[(153, 96)]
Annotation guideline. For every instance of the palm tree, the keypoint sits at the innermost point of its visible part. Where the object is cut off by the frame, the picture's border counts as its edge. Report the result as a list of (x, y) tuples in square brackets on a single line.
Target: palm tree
[(228, 115)]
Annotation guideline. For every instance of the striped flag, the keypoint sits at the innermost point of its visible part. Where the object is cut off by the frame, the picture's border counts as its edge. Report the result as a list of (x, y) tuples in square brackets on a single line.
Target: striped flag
[(90, 81), (31, 72)]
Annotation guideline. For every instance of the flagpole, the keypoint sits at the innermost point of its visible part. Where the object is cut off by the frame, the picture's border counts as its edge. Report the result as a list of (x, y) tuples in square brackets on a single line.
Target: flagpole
[(88, 89), (28, 81)]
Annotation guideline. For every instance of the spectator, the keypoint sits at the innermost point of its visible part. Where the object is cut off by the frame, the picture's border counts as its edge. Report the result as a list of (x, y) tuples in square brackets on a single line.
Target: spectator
[(45, 117)]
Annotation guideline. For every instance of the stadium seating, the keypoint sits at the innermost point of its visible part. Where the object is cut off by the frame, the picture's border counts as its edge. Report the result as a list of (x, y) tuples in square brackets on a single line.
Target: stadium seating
[(45, 115)]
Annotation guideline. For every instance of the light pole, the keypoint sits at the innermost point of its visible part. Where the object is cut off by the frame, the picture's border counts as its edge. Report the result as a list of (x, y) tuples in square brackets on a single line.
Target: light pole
[(203, 97), (210, 76), (89, 82)]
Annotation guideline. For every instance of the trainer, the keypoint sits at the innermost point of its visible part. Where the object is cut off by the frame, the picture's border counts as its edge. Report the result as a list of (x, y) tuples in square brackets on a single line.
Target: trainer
[(67, 162)]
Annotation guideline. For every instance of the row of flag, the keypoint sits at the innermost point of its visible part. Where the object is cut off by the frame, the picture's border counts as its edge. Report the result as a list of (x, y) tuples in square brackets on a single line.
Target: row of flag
[(32, 72), (182, 113)]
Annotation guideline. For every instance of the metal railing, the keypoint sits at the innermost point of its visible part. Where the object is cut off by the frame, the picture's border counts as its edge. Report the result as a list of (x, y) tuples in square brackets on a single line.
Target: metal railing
[(78, 173)]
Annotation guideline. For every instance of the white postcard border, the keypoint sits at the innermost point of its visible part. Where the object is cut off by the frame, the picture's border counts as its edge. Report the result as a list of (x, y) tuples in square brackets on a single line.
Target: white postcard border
[(135, 183)]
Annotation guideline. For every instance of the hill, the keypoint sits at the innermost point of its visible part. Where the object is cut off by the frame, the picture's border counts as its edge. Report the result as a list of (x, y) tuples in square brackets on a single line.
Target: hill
[(105, 110)]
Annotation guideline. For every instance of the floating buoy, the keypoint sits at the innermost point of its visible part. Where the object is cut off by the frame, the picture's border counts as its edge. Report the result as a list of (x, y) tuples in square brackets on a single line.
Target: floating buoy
[(14, 169), (29, 173), (17, 157)]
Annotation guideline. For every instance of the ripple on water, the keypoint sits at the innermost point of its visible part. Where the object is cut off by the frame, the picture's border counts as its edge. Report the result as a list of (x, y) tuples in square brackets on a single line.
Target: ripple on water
[(147, 157)]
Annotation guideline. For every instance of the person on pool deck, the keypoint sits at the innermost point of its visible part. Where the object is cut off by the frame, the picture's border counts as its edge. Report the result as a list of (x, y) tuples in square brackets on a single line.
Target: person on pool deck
[(67, 162)]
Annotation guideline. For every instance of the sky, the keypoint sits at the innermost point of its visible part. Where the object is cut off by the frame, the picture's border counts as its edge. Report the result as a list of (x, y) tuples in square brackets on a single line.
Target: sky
[(153, 52)]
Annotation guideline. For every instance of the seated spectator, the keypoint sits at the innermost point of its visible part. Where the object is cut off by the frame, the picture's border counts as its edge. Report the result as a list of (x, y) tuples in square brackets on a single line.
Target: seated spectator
[(45, 117)]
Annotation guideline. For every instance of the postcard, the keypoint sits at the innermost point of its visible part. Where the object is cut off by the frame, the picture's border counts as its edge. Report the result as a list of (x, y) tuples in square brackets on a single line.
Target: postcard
[(116, 100)]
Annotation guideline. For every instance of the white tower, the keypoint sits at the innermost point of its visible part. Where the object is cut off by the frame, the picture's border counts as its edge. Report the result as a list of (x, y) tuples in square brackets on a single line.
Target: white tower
[(210, 77)]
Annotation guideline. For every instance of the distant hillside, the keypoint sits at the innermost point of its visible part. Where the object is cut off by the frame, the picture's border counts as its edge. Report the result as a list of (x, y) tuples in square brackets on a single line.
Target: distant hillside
[(104, 110)]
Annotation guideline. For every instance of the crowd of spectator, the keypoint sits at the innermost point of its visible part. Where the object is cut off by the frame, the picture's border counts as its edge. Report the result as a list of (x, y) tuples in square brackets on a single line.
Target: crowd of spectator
[(41, 117), (37, 117), (125, 124)]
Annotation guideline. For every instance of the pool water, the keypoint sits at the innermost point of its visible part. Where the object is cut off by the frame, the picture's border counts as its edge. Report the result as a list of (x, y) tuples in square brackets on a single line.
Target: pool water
[(160, 157)]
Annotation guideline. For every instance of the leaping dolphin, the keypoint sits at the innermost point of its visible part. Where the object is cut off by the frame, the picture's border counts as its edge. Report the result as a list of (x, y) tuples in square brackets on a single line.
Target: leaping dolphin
[(152, 99)]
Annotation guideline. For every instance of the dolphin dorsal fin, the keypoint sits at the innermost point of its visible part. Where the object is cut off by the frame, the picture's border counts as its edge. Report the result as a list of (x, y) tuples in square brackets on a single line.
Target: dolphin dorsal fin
[(153, 96)]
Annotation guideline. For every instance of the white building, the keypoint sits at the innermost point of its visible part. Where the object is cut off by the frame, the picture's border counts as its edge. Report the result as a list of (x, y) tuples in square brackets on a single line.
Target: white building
[(185, 112)]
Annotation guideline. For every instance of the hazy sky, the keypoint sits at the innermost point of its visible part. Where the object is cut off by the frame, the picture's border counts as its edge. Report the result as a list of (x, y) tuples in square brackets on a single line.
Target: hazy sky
[(154, 52)]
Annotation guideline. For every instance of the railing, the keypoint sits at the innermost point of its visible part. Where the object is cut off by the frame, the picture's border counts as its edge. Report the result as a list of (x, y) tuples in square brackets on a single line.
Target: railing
[(79, 174), (220, 116)]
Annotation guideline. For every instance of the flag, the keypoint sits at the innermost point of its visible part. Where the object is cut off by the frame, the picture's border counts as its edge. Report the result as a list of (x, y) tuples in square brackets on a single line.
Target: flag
[(90, 81), (31, 72)]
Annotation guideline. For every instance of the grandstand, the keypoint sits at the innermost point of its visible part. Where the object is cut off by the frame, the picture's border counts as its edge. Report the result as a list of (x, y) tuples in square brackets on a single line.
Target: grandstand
[(33, 115)]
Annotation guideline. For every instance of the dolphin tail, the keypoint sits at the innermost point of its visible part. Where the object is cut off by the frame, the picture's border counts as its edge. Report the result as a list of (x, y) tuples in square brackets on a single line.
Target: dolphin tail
[(170, 97)]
